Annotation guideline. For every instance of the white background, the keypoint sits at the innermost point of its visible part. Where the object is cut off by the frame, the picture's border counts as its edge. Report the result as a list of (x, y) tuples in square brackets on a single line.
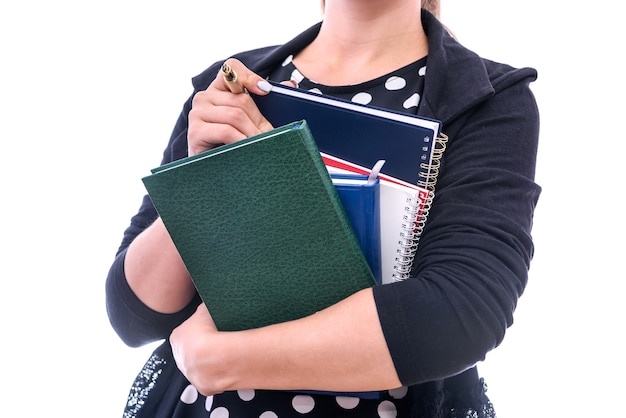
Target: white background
[(89, 92)]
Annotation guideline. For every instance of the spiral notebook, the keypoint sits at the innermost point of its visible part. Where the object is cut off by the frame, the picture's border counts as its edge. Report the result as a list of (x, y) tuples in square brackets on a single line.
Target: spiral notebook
[(358, 133), (403, 210)]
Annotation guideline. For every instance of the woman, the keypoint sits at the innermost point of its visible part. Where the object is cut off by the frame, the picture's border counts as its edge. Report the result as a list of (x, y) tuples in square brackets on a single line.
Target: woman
[(419, 339)]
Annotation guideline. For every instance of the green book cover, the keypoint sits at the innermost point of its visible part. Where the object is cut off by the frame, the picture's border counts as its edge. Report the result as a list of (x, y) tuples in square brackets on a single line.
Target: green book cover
[(260, 228)]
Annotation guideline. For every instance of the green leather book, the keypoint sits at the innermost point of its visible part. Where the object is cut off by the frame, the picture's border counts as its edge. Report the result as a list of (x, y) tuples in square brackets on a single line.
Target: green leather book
[(260, 228)]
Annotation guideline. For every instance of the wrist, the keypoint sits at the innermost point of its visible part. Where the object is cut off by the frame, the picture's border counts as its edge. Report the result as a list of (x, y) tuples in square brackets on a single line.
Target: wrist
[(232, 361), (251, 359)]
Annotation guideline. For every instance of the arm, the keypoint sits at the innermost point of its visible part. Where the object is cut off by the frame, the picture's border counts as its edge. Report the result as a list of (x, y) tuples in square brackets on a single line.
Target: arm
[(156, 273), (136, 323), (341, 348), (474, 255)]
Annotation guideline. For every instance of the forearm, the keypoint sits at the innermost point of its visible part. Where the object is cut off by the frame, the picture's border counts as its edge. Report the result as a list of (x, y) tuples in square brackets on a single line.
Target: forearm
[(156, 273), (341, 348)]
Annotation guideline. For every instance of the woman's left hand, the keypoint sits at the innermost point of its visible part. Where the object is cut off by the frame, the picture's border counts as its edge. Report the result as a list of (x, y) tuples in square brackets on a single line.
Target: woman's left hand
[(191, 342)]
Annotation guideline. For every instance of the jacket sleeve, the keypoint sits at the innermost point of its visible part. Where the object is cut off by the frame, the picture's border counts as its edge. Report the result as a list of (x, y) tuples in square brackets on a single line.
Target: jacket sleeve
[(474, 254), (134, 322)]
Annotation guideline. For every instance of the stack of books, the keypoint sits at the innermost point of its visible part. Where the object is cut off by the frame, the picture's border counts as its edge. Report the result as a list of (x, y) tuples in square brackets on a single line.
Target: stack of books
[(283, 224)]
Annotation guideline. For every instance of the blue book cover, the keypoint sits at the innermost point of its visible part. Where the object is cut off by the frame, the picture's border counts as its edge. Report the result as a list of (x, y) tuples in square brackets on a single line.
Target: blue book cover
[(355, 132), (360, 197)]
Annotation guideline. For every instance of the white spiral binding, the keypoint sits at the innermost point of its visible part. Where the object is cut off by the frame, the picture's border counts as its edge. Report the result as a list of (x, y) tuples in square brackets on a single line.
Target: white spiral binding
[(414, 220)]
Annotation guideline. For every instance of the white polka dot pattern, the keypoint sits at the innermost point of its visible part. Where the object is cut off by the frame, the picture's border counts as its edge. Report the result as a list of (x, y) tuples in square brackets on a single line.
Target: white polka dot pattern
[(288, 60), (297, 76), (220, 412), (399, 90), (246, 395), (189, 395), (300, 403), (208, 403), (346, 402), (399, 393), (395, 83), (412, 101), (387, 409), (362, 98), (303, 403)]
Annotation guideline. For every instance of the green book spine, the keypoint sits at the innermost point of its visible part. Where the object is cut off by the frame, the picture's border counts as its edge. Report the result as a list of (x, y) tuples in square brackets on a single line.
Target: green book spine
[(261, 229)]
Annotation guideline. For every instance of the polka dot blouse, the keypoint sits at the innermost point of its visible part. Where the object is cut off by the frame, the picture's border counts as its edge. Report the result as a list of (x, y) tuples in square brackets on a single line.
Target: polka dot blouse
[(399, 90)]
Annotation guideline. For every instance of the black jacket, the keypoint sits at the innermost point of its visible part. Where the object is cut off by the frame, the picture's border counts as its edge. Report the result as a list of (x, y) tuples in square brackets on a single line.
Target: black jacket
[(474, 254)]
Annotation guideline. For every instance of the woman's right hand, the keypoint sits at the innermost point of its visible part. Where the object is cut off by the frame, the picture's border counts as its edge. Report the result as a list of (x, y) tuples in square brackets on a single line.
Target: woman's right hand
[(219, 116)]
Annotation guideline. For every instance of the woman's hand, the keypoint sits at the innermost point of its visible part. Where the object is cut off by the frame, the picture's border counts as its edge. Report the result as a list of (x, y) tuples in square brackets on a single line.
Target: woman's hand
[(219, 116), (191, 343)]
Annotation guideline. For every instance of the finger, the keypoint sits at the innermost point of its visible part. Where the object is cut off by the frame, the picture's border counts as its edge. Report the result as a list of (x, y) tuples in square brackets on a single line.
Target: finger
[(201, 137), (217, 106), (249, 82), (237, 110)]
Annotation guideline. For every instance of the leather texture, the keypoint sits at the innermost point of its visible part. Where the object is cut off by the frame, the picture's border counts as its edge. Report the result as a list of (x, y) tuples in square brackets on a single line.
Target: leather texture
[(261, 229)]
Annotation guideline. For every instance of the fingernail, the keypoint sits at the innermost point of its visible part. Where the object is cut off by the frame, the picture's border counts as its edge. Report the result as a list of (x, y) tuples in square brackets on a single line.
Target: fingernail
[(264, 85)]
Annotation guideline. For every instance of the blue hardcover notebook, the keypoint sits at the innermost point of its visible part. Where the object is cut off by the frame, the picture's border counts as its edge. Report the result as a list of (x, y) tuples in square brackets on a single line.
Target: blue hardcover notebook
[(360, 197), (357, 133)]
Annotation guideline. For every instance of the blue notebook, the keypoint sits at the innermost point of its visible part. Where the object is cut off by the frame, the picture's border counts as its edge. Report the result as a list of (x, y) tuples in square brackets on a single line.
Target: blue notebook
[(357, 133), (360, 197)]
